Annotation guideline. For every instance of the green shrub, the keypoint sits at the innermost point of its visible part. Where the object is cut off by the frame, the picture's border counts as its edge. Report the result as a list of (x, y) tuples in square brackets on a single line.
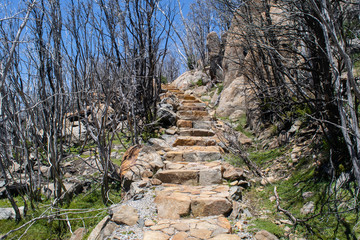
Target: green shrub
[(199, 82), (220, 88)]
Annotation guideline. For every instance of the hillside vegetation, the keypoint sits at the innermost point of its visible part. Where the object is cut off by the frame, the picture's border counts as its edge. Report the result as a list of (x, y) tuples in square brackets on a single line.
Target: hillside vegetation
[(91, 89)]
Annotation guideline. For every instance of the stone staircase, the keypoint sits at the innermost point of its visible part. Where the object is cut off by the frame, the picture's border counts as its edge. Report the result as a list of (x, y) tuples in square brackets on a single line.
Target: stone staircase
[(193, 202), (193, 192)]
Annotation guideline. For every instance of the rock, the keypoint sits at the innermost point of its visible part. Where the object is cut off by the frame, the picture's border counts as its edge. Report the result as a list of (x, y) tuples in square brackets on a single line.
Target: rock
[(213, 45), (149, 223), (224, 223), (206, 98), (136, 189), (170, 131), (239, 225), (189, 78), (78, 234), (306, 195), (166, 117), (200, 233), (308, 208), (159, 227), (128, 162), (170, 231), (178, 176), (181, 226), (202, 124), (97, 231), (194, 141), (231, 173), (226, 237), (272, 198), (236, 115), (158, 144), (147, 174), (243, 139), (172, 100), (109, 229), (286, 222), (173, 206), (295, 127), (180, 236), (126, 215), (215, 98), (203, 206), (235, 193), (184, 124), (268, 180), (210, 177), (9, 213), (233, 97), (155, 181), (45, 171), (76, 130), (155, 235), (197, 156), (247, 213), (199, 91), (265, 235)]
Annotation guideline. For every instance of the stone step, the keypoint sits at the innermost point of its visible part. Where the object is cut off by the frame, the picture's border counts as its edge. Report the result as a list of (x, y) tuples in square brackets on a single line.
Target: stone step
[(192, 108), (196, 228), (195, 124), (191, 101), (171, 89), (186, 177), (176, 201), (196, 132), (194, 153), (202, 124), (194, 115), (176, 91), (184, 123), (184, 96), (194, 141), (191, 173), (193, 104)]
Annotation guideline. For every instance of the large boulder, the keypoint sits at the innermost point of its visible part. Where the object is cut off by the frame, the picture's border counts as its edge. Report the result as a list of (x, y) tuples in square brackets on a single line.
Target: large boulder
[(234, 98), (166, 115), (126, 215), (189, 79), (214, 47), (137, 162)]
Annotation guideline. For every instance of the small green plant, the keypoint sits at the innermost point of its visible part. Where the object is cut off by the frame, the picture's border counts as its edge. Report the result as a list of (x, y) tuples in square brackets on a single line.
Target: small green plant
[(220, 88), (164, 80), (268, 226), (199, 82)]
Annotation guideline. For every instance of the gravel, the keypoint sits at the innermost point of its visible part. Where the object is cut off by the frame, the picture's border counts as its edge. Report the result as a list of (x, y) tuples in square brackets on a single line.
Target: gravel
[(146, 209)]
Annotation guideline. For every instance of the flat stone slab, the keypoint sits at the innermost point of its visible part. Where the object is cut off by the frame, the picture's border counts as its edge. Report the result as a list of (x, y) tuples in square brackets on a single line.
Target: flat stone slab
[(193, 104), (194, 141), (202, 228), (187, 97), (193, 115), (178, 176), (194, 153), (192, 108), (176, 201), (191, 101), (196, 132), (202, 124), (184, 123), (191, 173)]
